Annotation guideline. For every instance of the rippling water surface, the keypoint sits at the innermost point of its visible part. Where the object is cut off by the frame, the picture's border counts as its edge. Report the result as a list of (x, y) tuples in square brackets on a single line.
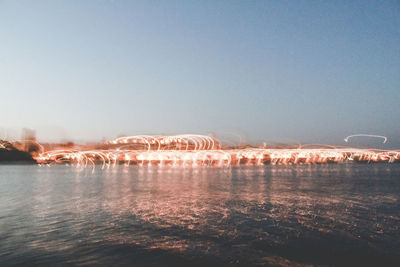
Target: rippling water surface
[(339, 214)]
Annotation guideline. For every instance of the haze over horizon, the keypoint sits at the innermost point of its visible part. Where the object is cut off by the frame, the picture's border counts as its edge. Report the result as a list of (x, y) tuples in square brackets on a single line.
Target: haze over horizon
[(278, 71)]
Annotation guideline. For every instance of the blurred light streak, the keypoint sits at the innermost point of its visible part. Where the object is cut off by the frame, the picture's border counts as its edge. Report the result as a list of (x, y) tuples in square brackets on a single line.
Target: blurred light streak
[(366, 135), (201, 150)]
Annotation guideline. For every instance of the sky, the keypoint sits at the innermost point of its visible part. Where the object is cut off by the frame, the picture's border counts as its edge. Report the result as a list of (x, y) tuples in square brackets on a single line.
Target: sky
[(270, 71)]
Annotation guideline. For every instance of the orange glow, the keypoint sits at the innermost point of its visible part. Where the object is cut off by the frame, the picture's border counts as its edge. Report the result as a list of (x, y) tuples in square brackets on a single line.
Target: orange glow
[(200, 150)]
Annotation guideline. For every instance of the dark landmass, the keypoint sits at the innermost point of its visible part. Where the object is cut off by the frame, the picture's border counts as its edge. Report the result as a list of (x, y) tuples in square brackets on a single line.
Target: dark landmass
[(9, 154)]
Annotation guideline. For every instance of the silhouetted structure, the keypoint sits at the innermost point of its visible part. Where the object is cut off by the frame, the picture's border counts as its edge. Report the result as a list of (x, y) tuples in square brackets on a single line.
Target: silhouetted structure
[(8, 153)]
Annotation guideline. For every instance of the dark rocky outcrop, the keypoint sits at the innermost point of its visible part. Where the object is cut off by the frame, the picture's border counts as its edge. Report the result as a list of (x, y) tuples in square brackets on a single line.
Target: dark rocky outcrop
[(8, 153)]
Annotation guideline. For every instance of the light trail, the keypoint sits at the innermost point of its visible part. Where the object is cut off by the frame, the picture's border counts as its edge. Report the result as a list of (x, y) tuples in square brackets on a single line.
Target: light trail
[(169, 142), (367, 135), (199, 150)]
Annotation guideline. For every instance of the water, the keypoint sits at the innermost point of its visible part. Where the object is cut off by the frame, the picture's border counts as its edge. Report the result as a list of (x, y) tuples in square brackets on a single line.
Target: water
[(338, 214)]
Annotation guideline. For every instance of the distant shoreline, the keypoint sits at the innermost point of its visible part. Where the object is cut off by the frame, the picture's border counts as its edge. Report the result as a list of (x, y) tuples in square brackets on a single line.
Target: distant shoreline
[(15, 156), (18, 162)]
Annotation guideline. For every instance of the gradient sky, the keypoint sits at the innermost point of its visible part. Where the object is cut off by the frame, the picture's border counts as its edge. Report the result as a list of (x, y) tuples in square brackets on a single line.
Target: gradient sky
[(312, 71)]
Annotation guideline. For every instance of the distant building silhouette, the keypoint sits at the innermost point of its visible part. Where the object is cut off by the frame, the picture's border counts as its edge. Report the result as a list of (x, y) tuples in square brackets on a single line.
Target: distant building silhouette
[(28, 140), (28, 134)]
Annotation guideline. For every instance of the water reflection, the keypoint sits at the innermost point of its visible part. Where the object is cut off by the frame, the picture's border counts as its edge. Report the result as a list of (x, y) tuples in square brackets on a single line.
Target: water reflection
[(280, 215)]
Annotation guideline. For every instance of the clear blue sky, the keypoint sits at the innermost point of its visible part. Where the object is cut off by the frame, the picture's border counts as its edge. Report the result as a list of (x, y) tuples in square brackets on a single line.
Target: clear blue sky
[(313, 71)]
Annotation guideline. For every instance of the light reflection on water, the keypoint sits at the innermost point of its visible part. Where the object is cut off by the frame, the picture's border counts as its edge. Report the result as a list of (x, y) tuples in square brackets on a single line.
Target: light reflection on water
[(277, 215)]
